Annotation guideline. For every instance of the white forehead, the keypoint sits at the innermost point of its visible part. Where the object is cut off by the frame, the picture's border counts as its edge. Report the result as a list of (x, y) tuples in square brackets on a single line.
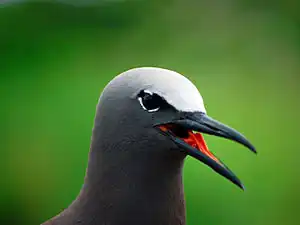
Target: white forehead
[(176, 89)]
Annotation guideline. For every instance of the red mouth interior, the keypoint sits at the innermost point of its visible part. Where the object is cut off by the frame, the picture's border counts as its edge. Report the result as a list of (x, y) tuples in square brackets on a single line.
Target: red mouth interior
[(195, 140)]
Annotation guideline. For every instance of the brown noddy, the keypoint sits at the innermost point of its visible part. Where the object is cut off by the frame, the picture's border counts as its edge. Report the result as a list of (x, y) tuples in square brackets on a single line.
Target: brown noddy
[(147, 121)]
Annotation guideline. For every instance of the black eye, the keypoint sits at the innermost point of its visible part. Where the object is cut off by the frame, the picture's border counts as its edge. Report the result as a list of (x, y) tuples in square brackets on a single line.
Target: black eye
[(150, 101)]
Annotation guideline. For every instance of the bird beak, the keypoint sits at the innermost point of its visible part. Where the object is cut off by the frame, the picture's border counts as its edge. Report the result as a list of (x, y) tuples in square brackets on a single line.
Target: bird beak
[(185, 133)]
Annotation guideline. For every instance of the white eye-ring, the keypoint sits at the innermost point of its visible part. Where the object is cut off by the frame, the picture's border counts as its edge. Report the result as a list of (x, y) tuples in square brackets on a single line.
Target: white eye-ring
[(149, 101)]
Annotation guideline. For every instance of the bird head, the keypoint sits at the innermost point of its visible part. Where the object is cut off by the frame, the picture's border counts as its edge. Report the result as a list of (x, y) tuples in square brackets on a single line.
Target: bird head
[(167, 109)]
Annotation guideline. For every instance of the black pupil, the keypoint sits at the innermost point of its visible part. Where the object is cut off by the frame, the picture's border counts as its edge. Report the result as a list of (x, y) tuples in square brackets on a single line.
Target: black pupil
[(151, 101)]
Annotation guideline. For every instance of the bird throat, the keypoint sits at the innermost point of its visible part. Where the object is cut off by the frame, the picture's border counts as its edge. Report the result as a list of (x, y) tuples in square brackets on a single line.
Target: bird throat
[(130, 189)]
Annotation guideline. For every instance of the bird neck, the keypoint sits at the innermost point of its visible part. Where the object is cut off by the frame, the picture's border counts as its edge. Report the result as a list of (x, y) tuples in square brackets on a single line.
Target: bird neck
[(138, 188)]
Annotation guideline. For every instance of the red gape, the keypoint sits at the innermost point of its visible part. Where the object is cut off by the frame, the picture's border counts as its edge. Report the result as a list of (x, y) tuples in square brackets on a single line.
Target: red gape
[(197, 141)]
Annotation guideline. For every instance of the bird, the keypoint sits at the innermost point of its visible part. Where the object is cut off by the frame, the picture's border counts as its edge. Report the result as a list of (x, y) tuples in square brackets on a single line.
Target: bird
[(147, 121)]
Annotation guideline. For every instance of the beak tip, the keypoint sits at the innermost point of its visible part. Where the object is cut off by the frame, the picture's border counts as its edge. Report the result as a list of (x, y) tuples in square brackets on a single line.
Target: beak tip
[(250, 147), (253, 149), (240, 185)]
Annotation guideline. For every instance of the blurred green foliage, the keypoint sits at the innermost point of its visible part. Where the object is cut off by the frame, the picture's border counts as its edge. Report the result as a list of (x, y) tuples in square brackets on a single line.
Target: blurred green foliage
[(243, 56)]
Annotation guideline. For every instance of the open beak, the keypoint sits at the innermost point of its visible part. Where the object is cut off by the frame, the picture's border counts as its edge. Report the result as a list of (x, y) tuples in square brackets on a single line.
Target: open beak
[(185, 133)]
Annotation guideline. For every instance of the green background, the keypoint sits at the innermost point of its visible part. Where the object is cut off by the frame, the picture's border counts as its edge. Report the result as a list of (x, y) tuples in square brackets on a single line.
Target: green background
[(244, 56)]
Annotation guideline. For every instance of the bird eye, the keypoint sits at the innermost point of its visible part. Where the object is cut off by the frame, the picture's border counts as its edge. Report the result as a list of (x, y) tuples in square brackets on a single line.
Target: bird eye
[(150, 101)]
